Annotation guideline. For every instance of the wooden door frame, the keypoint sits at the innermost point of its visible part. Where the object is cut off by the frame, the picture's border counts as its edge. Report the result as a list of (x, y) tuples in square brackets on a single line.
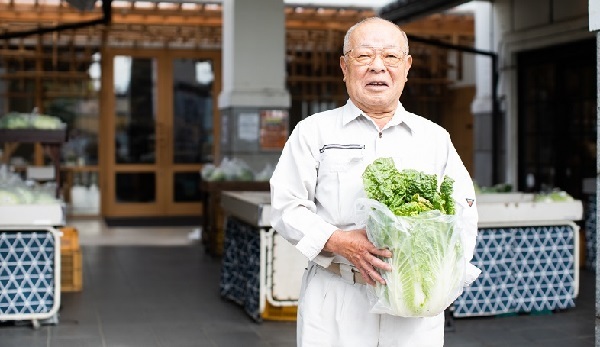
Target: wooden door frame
[(164, 205)]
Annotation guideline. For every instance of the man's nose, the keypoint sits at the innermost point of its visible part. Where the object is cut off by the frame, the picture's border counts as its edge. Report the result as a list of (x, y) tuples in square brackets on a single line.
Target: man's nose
[(377, 63)]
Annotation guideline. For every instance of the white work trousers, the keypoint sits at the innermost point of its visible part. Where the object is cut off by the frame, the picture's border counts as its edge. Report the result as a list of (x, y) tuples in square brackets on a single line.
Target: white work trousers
[(333, 312)]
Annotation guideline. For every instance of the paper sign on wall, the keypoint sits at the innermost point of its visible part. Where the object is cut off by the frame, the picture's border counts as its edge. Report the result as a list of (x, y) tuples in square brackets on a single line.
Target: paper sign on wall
[(248, 126), (273, 129)]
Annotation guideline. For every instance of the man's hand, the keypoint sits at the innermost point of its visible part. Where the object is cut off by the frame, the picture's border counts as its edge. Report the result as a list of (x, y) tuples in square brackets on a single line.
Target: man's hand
[(356, 247)]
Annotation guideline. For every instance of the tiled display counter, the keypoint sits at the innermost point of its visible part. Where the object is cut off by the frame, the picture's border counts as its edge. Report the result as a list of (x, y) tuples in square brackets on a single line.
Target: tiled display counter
[(212, 213), (590, 233), (29, 273), (260, 270), (524, 269), (30, 262), (240, 271), (527, 267)]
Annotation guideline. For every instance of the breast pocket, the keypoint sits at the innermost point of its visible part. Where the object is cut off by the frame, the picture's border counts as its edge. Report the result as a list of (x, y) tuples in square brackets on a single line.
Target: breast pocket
[(339, 157), (340, 180)]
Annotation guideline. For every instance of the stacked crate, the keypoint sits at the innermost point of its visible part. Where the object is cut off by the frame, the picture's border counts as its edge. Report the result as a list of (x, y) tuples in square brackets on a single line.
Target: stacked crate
[(71, 277)]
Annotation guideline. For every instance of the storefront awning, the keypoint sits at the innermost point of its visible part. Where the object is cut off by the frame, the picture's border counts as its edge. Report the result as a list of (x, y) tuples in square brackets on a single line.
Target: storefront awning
[(407, 10)]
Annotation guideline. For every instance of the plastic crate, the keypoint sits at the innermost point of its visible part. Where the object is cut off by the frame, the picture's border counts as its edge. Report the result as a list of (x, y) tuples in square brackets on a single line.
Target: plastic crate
[(71, 262)]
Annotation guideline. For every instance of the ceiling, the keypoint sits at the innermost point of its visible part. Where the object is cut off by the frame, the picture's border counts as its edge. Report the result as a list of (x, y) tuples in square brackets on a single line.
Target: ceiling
[(401, 11), (376, 4)]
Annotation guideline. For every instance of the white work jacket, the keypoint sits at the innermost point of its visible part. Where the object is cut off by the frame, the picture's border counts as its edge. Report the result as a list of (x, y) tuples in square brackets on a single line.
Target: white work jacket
[(318, 177)]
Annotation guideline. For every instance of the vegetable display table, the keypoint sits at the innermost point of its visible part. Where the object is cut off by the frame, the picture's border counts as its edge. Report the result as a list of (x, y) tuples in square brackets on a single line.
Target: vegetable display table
[(527, 251), (51, 140), (524, 269), (30, 276), (261, 271), (30, 262), (212, 213), (590, 233)]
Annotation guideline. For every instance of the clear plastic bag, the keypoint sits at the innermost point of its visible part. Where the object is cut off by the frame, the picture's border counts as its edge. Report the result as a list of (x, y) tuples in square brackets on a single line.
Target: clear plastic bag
[(428, 264)]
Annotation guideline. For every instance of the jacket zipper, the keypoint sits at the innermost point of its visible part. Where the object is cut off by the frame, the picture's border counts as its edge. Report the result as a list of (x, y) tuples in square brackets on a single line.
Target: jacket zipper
[(340, 146)]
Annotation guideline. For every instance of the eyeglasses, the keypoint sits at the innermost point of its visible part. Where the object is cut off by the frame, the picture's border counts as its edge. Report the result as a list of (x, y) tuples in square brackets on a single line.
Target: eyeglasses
[(366, 55)]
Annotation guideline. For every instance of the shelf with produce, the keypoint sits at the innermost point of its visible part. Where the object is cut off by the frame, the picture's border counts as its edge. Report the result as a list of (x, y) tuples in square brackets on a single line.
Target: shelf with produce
[(75, 179), (45, 136), (49, 131)]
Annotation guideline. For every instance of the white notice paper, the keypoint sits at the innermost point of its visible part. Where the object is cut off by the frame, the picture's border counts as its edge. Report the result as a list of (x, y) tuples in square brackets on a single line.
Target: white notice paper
[(248, 126)]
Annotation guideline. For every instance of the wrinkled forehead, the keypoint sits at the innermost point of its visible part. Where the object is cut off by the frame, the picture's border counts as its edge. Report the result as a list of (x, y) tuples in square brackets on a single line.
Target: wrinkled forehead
[(378, 34)]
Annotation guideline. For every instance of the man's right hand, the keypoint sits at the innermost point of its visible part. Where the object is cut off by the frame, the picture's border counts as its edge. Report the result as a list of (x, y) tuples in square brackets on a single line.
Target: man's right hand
[(356, 247)]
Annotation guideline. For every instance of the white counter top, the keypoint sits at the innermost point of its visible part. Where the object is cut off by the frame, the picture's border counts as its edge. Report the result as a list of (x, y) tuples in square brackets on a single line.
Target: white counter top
[(495, 210), (251, 207), (35, 214), (520, 209)]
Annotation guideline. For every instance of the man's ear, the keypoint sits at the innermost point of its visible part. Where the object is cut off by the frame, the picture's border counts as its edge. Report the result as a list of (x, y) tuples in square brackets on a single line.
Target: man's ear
[(408, 64), (343, 66)]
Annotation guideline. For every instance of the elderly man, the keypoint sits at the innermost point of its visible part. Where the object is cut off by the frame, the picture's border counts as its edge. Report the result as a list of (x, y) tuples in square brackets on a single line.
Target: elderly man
[(319, 178)]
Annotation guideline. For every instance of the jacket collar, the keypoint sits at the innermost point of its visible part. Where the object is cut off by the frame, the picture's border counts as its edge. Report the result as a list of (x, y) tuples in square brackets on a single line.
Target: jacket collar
[(401, 116)]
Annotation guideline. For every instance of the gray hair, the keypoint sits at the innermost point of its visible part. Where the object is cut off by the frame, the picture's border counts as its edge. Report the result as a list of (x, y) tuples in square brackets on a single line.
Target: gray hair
[(346, 47)]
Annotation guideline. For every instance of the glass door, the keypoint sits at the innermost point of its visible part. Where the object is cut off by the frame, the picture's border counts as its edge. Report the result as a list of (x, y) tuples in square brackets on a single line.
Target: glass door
[(158, 132), (191, 130)]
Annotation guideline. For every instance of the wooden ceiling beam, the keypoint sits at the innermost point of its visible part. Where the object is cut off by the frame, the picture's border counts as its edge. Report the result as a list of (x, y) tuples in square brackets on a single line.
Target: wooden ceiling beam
[(306, 27)]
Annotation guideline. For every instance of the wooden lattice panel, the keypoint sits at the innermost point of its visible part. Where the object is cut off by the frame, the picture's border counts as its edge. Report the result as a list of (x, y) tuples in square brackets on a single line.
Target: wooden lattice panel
[(314, 39)]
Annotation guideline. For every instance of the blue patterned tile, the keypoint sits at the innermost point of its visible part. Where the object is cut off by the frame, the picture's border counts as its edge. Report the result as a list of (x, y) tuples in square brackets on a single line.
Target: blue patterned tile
[(27, 264), (524, 269)]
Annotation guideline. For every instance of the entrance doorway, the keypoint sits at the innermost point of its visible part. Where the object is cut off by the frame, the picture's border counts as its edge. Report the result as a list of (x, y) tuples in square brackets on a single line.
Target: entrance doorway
[(157, 131), (557, 117)]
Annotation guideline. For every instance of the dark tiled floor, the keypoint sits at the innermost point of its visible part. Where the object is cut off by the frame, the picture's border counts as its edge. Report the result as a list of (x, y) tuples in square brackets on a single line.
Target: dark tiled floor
[(169, 297)]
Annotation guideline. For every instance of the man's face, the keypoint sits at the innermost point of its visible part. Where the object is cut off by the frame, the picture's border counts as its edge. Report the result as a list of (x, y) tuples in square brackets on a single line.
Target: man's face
[(375, 87)]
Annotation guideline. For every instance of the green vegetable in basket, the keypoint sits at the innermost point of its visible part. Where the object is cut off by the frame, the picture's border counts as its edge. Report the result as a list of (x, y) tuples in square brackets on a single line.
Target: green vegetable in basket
[(46, 122), (9, 198), (14, 121)]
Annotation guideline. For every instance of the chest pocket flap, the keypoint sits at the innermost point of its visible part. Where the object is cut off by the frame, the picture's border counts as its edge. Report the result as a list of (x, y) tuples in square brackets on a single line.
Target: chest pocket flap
[(340, 157)]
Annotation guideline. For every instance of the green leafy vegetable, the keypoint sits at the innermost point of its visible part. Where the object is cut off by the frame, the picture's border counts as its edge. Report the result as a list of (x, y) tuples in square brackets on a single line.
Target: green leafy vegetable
[(554, 196), (9, 198), (409, 192), (413, 217), (16, 120)]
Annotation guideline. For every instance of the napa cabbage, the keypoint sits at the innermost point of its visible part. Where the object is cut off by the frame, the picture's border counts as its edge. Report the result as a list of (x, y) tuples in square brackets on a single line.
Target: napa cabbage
[(410, 214)]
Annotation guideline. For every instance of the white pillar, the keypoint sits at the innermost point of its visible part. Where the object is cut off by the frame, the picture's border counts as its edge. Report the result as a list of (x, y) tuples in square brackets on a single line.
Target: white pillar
[(482, 104), (594, 13), (597, 169), (253, 54), (254, 76)]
